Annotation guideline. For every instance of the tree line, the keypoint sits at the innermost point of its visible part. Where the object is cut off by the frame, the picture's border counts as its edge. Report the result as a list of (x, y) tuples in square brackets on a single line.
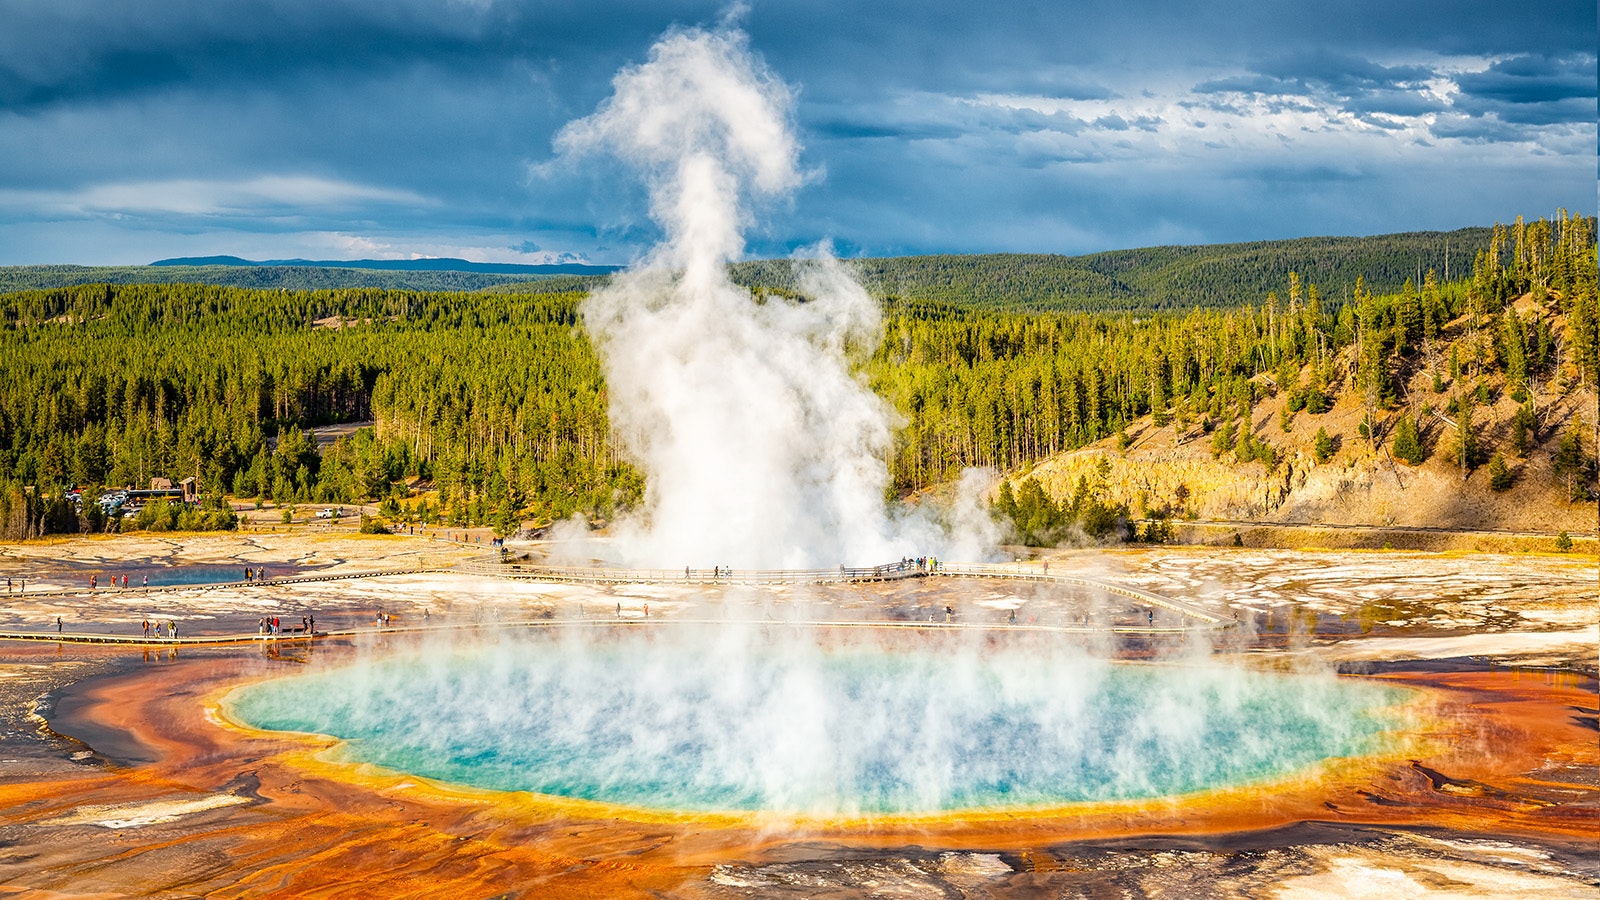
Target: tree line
[(496, 401)]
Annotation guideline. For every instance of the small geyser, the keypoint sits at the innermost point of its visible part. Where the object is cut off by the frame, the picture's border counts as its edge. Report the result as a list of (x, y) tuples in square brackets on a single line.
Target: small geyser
[(772, 719)]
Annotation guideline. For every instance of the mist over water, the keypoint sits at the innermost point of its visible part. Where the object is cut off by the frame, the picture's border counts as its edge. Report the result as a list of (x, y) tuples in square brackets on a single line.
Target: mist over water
[(762, 445), (774, 720)]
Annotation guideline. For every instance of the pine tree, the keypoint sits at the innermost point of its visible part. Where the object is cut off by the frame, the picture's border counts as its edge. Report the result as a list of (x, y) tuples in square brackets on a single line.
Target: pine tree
[(1407, 441), (1570, 465), (1499, 473), (1466, 445), (1514, 351), (1322, 446), (1521, 427)]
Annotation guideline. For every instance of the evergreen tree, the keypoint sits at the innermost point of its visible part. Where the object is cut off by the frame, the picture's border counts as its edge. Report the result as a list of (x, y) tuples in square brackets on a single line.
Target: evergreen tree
[(1570, 465), (1408, 442), (1522, 424), (1466, 442), (1499, 473), (1322, 446), (1514, 352)]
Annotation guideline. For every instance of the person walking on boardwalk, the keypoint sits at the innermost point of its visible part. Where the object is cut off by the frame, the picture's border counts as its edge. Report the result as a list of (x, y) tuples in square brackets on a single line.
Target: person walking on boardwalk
[(147, 628), (58, 624)]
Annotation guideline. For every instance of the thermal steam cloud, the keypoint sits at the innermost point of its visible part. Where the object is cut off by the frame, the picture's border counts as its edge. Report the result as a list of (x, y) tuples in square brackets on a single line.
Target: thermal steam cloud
[(761, 444)]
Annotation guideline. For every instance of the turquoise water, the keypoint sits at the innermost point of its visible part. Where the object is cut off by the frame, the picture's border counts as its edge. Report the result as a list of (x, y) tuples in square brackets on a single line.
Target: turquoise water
[(713, 722)]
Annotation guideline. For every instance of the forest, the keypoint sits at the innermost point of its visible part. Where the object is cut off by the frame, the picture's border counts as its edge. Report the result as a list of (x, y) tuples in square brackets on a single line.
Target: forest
[(1153, 278), (490, 407)]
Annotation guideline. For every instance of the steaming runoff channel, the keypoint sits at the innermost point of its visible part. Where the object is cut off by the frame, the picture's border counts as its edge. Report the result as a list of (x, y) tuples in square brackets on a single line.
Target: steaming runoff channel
[(764, 449)]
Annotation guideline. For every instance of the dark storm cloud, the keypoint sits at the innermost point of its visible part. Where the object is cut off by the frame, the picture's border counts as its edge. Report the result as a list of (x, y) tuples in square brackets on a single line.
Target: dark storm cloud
[(1533, 78), (63, 52), (933, 124)]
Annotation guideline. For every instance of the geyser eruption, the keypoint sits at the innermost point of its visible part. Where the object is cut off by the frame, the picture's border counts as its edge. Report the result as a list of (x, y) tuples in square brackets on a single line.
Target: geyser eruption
[(761, 446)]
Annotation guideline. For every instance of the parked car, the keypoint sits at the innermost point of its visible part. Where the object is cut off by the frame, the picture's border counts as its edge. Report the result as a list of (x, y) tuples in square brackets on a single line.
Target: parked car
[(332, 512)]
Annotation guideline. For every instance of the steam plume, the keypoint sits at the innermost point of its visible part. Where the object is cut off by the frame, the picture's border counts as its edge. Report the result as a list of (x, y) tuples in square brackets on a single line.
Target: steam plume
[(761, 446)]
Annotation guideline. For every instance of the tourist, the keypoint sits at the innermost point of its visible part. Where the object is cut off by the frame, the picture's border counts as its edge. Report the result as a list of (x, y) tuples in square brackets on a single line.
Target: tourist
[(174, 630), (145, 583), (58, 624), (147, 628), (92, 581)]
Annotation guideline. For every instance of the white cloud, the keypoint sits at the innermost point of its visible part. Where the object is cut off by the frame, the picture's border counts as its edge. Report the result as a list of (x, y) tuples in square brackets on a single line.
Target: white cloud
[(265, 195), (340, 245)]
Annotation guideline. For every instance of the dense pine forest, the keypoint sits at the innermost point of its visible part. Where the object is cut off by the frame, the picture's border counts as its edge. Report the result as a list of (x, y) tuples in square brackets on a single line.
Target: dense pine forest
[(490, 407), (1153, 278)]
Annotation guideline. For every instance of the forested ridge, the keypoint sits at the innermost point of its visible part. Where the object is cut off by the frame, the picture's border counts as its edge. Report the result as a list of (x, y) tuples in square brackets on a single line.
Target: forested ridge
[(1152, 278), (494, 403), (300, 278)]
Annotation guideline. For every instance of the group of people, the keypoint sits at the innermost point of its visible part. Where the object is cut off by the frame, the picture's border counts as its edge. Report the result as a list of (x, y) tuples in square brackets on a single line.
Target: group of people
[(273, 625), (255, 574), (167, 630), (94, 582), (24, 588)]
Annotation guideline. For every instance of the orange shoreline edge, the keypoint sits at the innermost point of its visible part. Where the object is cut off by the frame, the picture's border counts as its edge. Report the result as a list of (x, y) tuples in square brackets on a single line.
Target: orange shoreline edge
[(1492, 752)]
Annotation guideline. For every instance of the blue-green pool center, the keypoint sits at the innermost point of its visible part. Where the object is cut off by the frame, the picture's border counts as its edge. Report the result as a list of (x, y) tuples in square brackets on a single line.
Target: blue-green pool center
[(737, 720)]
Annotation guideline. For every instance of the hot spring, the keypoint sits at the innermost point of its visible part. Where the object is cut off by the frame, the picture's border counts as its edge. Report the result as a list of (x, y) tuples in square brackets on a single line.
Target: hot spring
[(782, 720)]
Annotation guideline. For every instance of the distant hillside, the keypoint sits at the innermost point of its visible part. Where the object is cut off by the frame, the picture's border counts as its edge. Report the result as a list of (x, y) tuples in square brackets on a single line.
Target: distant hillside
[(1152, 278), (294, 278), (1214, 275)]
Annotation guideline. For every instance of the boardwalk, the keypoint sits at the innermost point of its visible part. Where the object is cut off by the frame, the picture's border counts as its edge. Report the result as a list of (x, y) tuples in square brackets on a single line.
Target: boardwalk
[(491, 565), (498, 567)]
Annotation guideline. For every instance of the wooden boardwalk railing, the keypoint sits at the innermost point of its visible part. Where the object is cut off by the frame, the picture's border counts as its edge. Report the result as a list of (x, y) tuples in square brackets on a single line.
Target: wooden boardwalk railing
[(506, 568)]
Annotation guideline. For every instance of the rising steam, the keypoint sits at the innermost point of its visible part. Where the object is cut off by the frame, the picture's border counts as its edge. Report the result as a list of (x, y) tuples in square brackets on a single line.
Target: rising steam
[(762, 446)]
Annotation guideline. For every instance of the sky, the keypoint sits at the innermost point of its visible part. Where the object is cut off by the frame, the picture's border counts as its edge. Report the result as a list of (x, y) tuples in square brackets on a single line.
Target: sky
[(328, 129)]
